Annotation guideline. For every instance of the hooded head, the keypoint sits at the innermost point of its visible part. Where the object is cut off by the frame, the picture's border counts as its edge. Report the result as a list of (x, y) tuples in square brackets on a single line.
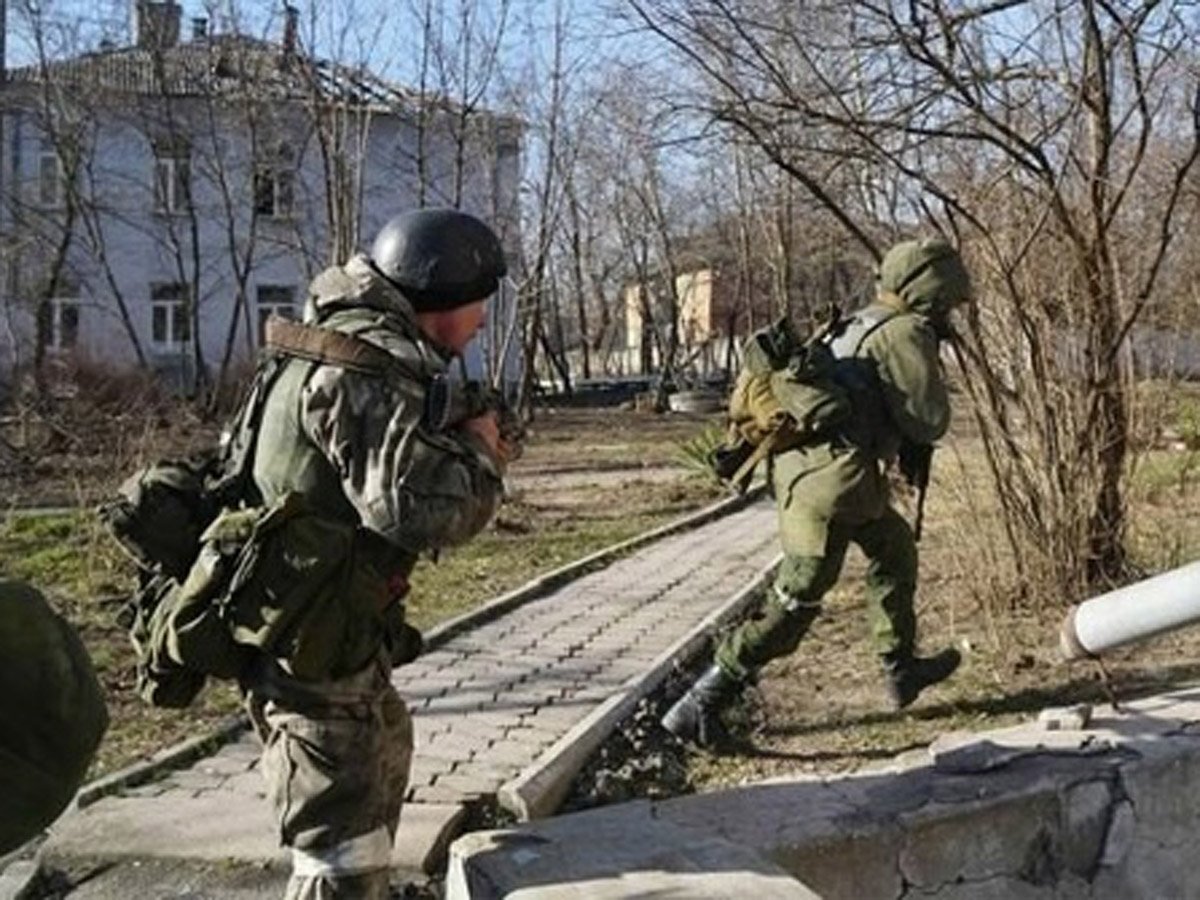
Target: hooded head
[(928, 275)]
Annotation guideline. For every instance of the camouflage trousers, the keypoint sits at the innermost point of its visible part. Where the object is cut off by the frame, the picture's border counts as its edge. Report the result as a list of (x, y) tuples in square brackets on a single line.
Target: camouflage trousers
[(795, 599), (336, 758)]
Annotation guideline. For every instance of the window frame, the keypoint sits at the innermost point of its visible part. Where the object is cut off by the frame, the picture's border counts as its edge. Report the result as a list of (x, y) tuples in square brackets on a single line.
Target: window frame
[(172, 183), (172, 299), (265, 306), (49, 154), (275, 179), (51, 330)]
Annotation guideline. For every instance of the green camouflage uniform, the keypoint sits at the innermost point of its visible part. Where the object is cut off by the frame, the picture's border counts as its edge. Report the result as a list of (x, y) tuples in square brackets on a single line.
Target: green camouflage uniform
[(836, 492), (336, 753), (52, 714)]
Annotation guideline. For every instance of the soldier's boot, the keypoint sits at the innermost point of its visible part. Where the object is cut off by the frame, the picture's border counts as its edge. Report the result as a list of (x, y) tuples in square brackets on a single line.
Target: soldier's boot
[(908, 675), (696, 716)]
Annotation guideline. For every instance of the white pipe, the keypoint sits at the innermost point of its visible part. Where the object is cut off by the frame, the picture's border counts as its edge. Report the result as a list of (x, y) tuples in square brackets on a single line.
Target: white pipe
[(1132, 613)]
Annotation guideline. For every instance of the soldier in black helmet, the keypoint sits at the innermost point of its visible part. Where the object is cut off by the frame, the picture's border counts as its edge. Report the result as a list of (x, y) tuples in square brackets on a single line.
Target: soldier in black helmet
[(52, 714), (367, 450)]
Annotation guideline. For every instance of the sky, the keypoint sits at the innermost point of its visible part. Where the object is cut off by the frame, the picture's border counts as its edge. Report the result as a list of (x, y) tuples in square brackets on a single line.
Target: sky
[(383, 33)]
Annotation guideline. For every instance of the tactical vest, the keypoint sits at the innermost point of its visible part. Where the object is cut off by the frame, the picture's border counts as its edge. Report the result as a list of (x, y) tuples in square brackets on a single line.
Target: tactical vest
[(265, 553)]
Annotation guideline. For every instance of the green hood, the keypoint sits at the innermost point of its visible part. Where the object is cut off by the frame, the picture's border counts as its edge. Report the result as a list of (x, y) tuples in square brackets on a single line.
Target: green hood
[(928, 275), (357, 285)]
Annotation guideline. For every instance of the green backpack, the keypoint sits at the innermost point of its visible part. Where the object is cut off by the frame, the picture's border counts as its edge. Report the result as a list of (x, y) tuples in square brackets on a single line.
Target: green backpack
[(224, 579), (159, 516), (786, 395)]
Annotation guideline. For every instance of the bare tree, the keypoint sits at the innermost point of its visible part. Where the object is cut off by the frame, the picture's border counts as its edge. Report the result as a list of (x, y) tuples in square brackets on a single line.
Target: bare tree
[(1054, 142)]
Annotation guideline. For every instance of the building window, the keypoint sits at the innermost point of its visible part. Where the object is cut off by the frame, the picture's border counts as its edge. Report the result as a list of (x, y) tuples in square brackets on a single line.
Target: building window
[(170, 316), (58, 320), (274, 300), (275, 185), (50, 176), (172, 179)]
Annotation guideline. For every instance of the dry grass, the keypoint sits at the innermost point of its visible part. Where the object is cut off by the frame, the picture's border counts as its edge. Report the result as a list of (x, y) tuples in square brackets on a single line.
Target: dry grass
[(823, 709)]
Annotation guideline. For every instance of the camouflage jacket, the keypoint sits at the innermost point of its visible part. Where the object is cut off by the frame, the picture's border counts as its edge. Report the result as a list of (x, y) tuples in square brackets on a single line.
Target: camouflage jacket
[(904, 398), (355, 444), (52, 713)]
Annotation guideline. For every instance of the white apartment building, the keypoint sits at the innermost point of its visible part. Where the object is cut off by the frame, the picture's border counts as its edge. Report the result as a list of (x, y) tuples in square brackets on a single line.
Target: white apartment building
[(161, 199)]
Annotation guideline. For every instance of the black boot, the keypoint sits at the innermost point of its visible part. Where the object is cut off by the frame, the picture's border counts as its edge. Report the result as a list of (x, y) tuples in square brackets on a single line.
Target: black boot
[(908, 675), (696, 716)]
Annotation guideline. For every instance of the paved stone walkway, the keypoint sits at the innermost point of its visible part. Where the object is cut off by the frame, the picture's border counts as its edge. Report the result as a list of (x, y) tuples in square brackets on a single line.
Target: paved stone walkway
[(485, 705)]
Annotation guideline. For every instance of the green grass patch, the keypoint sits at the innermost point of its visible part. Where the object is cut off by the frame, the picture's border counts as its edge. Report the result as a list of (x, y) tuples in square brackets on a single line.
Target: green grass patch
[(69, 554)]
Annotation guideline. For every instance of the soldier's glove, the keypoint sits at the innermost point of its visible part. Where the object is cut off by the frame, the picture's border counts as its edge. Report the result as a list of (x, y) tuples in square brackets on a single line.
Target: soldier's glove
[(448, 404), (404, 643), (914, 460), (512, 427)]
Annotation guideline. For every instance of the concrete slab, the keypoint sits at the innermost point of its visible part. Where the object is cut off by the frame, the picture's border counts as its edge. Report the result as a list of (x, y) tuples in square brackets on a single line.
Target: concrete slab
[(224, 828), (1108, 811), (606, 856), (212, 827)]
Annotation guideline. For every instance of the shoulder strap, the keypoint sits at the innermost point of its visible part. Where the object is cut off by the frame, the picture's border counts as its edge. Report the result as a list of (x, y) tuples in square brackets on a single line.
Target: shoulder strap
[(874, 323), (848, 344), (326, 346), (233, 484)]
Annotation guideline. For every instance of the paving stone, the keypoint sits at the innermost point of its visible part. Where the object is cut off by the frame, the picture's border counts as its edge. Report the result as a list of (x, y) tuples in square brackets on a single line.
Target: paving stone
[(471, 782), (247, 749), (559, 718), (512, 753), (485, 705), (435, 794), (224, 766)]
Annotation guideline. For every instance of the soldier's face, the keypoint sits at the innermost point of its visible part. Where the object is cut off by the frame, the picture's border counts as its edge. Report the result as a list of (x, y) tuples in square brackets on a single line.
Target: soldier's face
[(453, 328)]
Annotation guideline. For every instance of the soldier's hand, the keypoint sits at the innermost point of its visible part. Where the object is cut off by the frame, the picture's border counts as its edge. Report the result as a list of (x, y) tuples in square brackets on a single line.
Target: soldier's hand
[(914, 461), (487, 428)]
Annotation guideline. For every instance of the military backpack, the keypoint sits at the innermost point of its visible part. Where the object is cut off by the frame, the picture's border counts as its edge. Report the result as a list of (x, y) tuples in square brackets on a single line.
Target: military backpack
[(791, 392), (224, 579)]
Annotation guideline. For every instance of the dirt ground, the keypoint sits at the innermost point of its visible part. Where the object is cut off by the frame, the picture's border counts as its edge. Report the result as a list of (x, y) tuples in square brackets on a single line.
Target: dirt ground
[(823, 709)]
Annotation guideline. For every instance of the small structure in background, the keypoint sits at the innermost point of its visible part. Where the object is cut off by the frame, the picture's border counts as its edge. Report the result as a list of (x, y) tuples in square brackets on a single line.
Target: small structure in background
[(717, 305)]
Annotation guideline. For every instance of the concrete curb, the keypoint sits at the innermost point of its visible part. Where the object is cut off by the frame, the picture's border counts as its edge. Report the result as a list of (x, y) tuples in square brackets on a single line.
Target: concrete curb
[(174, 757), (541, 787), (189, 751)]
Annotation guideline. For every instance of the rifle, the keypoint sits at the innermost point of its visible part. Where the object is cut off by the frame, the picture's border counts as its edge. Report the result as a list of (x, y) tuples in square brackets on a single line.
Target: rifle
[(448, 403), (916, 461)]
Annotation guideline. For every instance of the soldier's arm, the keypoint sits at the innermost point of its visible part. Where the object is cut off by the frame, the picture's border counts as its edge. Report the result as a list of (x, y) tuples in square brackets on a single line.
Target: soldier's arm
[(417, 488), (910, 373)]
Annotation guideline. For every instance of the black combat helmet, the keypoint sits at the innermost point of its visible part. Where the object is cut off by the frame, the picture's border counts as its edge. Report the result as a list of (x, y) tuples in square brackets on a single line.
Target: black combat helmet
[(439, 258)]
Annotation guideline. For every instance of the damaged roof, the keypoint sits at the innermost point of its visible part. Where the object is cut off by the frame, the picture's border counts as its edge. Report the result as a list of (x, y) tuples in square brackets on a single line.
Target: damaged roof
[(227, 65)]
